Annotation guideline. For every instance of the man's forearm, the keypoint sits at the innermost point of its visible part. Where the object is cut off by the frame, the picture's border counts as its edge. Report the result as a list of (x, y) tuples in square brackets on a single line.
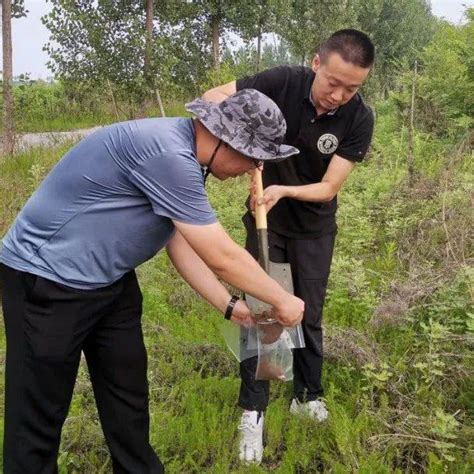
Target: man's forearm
[(230, 261), (238, 268), (218, 94), (317, 192), (214, 95), (241, 270), (196, 273), (338, 171)]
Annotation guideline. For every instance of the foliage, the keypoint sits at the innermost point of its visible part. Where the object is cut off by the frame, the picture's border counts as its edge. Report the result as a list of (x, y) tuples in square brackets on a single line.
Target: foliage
[(448, 59), (105, 43), (252, 19), (100, 42), (18, 9), (306, 24), (398, 316), (399, 332), (65, 105), (183, 34), (399, 29), (40, 106), (242, 61)]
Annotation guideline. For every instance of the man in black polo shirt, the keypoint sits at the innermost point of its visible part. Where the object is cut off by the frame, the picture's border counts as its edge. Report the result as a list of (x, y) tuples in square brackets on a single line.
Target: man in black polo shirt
[(330, 124)]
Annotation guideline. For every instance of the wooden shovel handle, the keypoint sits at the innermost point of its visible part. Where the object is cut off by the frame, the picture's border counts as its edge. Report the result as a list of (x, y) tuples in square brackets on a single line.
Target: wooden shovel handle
[(260, 211), (261, 223)]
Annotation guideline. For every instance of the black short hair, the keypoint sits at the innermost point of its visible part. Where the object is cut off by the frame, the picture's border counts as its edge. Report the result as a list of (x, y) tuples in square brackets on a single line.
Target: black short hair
[(353, 46)]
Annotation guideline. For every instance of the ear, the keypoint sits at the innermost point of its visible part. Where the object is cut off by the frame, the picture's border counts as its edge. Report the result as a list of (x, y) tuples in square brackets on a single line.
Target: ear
[(316, 63)]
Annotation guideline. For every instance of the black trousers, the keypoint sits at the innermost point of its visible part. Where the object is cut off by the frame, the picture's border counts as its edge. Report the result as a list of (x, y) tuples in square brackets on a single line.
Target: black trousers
[(48, 325), (310, 262)]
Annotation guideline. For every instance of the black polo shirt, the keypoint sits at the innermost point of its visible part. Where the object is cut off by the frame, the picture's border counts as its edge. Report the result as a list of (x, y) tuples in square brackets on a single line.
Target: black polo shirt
[(346, 132)]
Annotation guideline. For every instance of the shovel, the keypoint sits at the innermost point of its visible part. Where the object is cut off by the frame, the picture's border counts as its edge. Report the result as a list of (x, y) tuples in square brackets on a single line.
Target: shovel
[(274, 342), (269, 340), (280, 272)]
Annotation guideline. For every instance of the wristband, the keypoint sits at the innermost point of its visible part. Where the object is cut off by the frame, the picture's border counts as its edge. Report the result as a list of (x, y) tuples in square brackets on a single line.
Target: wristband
[(230, 307)]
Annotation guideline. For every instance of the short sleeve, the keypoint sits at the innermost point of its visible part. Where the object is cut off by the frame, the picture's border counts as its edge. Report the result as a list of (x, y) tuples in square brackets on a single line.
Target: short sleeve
[(173, 183), (356, 143), (269, 82)]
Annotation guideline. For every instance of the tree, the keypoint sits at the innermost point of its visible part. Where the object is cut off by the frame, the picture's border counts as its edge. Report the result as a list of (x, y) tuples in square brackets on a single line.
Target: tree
[(210, 19), (10, 10), (444, 100), (216, 18), (148, 41), (307, 23), (148, 69), (109, 42), (400, 29), (252, 19), (7, 77)]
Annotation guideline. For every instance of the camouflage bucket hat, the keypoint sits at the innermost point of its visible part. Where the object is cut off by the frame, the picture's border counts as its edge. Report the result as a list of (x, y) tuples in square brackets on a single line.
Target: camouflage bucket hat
[(249, 121)]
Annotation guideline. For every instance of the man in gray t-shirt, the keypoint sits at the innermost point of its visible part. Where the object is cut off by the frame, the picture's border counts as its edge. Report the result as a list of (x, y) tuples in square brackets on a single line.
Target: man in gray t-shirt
[(67, 266)]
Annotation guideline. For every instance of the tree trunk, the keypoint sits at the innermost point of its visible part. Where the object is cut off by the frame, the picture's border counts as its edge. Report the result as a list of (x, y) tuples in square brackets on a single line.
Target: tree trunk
[(114, 102), (215, 29), (160, 102), (149, 36), (259, 48), (147, 73), (8, 142)]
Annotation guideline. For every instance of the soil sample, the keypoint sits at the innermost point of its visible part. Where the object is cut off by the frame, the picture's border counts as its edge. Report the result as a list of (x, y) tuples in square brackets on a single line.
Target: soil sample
[(269, 333), (268, 371)]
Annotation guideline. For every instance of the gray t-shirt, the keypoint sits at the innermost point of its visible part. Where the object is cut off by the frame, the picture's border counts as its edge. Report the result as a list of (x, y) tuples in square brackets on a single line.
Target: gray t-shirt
[(108, 205)]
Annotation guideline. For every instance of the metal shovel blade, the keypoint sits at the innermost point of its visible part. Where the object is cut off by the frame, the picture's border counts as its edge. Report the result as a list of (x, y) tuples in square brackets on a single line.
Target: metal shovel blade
[(280, 272)]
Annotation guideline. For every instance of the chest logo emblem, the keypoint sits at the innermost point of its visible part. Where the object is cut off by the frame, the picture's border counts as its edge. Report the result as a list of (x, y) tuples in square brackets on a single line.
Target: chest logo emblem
[(327, 143)]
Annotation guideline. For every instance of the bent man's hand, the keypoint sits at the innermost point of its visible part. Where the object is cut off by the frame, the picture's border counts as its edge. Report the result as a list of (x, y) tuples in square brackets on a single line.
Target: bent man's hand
[(290, 311), (241, 315), (271, 196)]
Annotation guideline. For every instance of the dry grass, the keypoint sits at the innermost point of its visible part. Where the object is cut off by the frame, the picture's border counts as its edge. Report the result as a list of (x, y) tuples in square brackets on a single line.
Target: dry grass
[(349, 346)]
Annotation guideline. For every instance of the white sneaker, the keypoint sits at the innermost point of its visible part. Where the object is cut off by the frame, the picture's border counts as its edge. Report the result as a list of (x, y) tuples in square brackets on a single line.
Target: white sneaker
[(251, 437), (315, 409)]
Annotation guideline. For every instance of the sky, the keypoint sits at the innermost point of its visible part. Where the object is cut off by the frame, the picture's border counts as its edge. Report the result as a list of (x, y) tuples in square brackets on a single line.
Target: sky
[(29, 34)]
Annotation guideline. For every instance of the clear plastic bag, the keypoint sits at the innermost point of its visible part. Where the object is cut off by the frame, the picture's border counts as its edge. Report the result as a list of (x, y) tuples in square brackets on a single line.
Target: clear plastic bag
[(271, 342), (274, 347)]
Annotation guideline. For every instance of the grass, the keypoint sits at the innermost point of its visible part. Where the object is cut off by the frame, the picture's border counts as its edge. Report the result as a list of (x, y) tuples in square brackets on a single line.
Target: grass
[(398, 335), (66, 119)]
